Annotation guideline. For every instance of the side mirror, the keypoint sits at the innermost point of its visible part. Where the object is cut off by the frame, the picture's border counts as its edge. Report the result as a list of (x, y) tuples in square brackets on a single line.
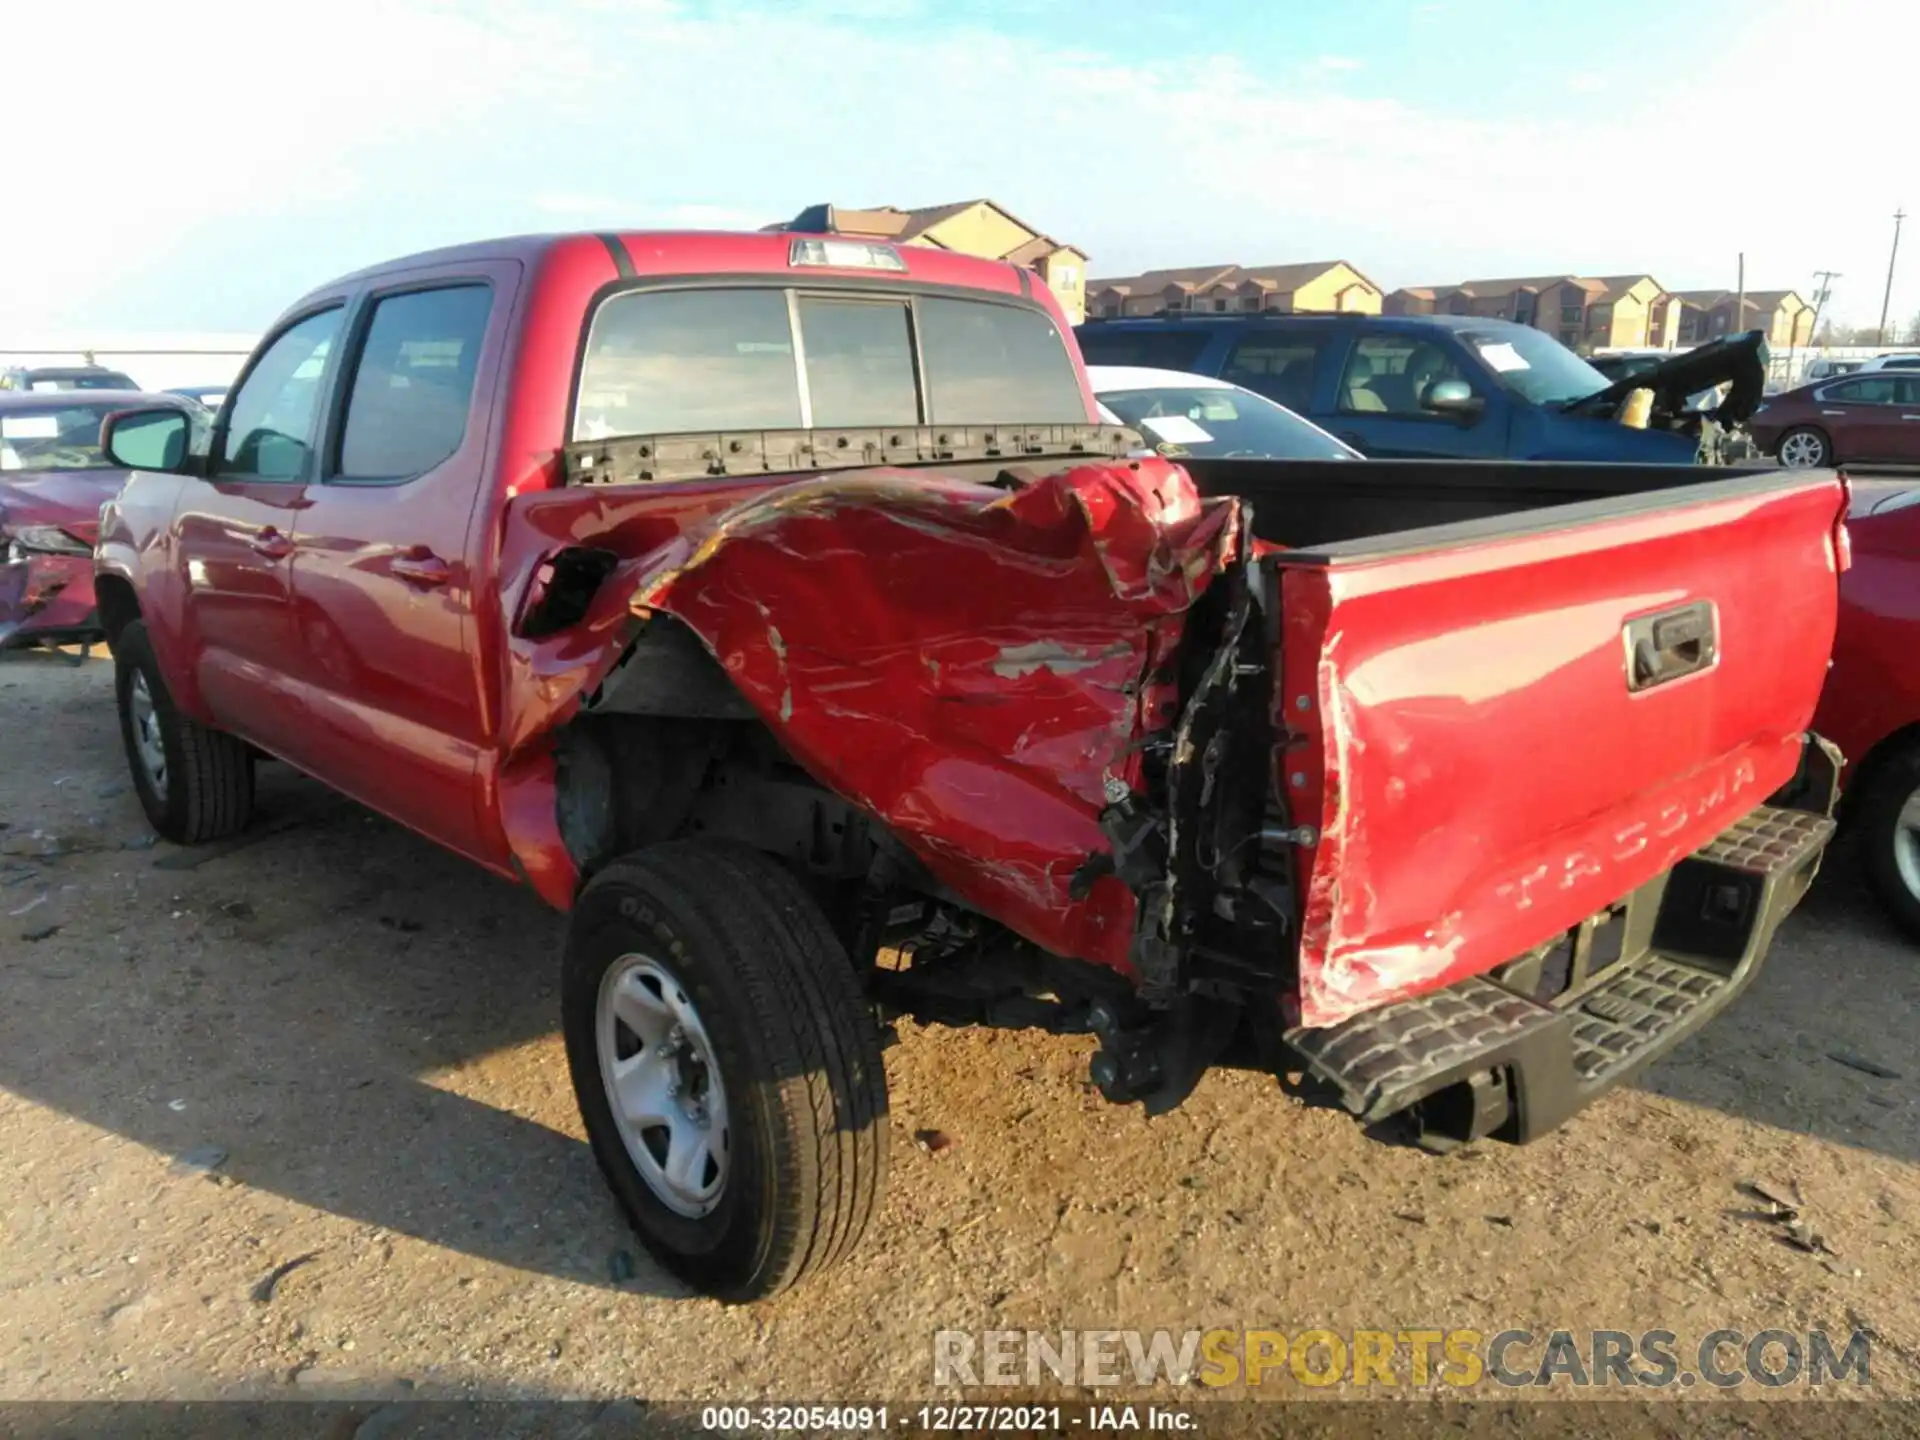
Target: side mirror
[(153, 439), (1453, 397)]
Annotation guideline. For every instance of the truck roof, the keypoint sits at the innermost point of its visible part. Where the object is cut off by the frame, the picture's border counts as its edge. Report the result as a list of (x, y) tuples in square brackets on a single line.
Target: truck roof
[(710, 252)]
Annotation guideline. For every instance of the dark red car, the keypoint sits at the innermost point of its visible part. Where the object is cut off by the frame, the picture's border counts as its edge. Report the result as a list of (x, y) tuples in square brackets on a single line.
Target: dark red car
[(1858, 418), (53, 481), (1871, 705)]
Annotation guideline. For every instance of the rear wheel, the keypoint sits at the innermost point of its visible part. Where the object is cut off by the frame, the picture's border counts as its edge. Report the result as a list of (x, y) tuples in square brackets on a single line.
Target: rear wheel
[(1805, 448), (195, 783), (727, 1066), (1889, 820)]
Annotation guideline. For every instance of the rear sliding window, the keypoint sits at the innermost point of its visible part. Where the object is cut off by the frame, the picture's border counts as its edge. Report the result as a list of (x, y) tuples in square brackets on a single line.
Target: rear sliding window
[(660, 362)]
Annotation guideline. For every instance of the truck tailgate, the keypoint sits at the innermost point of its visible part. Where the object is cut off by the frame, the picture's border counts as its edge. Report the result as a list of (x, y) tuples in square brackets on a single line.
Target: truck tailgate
[(1497, 729)]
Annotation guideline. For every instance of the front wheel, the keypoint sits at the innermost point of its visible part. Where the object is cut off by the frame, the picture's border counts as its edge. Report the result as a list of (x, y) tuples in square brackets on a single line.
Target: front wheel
[(1805, 448), (1890, 832), (195, 783), (726, 1064)]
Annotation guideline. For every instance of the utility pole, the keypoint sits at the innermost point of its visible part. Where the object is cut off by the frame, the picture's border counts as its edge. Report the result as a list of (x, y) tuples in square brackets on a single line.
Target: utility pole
[(1820, 296), (1887, 297)]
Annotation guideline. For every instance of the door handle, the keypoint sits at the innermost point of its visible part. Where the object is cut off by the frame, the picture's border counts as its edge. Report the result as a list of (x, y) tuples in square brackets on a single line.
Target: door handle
[(420, 566), (271, 543)]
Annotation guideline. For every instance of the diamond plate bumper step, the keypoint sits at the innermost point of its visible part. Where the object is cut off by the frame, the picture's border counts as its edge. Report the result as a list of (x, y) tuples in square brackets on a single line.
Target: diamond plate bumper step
[(1691, 940)]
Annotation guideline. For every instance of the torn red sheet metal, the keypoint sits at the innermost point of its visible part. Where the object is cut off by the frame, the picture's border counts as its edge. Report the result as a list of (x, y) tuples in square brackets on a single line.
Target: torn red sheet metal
[(972, 665), (46, 596)]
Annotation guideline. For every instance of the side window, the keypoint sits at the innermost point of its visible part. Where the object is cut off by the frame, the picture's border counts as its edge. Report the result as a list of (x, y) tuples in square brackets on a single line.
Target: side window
[(1280, 366), (270, 425), (413, 382), (1907, 390), (1155, 349), (1392, 374), (1862, 390)]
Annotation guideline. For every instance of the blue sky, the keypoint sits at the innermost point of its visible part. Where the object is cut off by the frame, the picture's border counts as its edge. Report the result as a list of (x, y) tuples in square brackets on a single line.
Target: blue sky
[(263, 148)]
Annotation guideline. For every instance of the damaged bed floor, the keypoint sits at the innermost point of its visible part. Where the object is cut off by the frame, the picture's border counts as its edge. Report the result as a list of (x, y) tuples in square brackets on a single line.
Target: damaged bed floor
[(291, 1117)]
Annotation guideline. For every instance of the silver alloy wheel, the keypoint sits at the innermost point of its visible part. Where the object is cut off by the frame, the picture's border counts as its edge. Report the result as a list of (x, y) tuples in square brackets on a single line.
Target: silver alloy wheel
[(1802, 450), (148, 747), (663, 1084), (1906, 844)]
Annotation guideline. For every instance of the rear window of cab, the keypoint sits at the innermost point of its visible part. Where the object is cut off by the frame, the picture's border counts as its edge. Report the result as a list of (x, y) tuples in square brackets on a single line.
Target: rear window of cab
[(663, 362)]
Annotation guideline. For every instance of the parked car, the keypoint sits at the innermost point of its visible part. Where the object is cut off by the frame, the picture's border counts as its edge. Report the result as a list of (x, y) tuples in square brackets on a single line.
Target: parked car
[(53, 481), (1200, 415), (1827, 369), (1447, 387), (209, 396), (1871, 704), (1892, 362), (1866, 417), (773, 604), (65, 377)]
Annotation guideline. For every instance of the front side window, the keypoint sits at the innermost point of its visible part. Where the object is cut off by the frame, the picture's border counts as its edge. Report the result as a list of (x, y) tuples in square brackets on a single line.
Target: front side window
[(673, 362), (1392, 375), (1533, 366), (52, 437), (270, 423), (413, 382)]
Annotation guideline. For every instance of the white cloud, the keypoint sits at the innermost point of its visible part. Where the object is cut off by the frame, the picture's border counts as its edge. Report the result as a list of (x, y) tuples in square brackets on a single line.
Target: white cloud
[(1337, 62), (518, 116)]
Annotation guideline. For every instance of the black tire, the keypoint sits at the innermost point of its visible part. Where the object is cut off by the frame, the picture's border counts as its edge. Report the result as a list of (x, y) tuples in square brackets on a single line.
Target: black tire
[(1891, 785), (1809, 432), (206, 791), (792, 1035)]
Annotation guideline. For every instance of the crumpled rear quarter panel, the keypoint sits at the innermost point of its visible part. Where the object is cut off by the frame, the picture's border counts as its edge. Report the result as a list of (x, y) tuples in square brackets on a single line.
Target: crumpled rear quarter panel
[(968, 664)]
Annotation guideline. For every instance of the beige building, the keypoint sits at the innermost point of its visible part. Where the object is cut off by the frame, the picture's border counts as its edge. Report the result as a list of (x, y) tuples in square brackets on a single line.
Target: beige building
[(972, 227), (1316, 287), (1708, 314), (1581, 311)]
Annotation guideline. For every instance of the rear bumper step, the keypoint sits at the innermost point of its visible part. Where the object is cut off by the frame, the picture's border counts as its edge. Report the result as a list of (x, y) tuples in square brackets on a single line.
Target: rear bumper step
[(1680, 949)]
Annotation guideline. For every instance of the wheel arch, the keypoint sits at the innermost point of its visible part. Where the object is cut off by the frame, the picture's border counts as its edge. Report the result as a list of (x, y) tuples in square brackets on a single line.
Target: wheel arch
[(117, 604)]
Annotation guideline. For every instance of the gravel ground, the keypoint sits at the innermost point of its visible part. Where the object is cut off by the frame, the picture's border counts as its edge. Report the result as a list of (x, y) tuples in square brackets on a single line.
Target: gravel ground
[(355, 1032)]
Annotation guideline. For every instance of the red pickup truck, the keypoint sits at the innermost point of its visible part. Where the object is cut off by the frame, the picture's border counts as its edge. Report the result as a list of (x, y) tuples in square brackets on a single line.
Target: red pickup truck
[(775, 605)]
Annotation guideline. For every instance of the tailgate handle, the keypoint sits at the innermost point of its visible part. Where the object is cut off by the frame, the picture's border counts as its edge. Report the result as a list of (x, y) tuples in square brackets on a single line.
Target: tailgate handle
[(1671, 644)]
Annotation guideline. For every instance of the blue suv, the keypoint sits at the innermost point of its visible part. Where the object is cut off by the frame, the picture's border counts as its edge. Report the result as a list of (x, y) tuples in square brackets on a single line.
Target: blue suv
[(1442, 386)]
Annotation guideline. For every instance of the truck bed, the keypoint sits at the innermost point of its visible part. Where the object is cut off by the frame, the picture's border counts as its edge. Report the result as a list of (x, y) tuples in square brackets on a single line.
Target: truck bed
[(1511, 695), (1383, 506)]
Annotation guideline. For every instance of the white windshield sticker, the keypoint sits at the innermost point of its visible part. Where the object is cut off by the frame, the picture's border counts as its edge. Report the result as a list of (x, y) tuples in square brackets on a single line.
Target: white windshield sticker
[(30, 427), (1503, 357), (1176, 430)]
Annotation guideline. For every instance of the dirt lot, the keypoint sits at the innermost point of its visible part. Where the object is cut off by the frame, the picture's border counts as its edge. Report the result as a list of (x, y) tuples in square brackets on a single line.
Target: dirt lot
[(362, 1030)]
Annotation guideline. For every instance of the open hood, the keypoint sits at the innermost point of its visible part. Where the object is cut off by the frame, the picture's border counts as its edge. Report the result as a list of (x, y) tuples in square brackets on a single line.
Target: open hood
[(1737, 359)]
